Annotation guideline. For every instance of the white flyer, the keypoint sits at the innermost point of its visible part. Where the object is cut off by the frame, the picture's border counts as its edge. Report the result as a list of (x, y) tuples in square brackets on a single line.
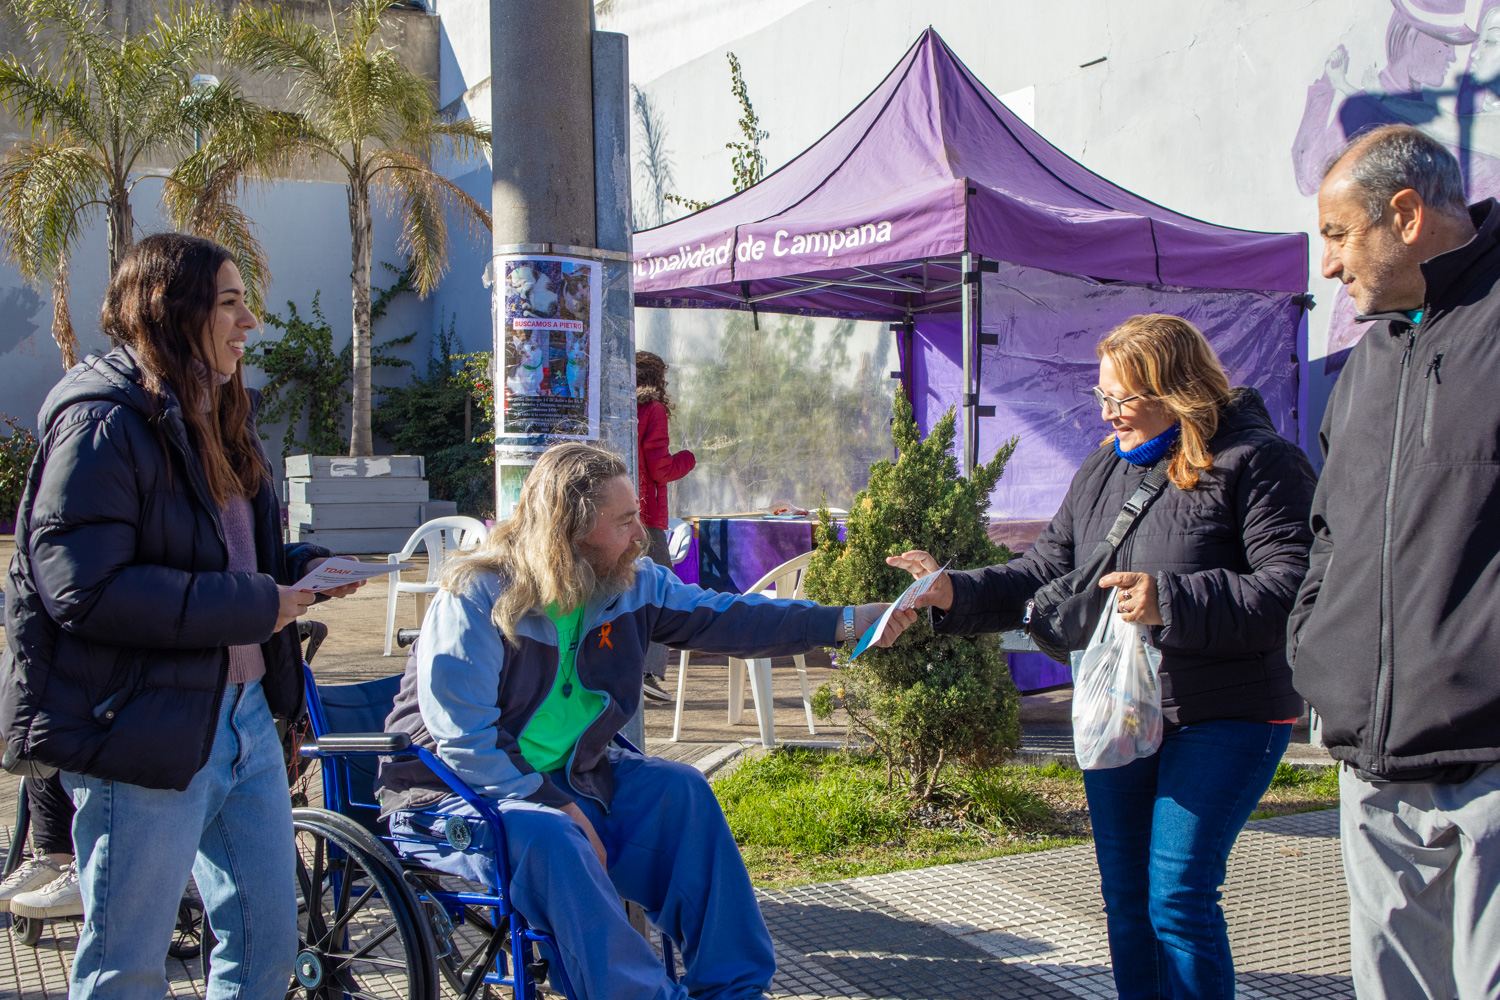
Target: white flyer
[(340, 571)]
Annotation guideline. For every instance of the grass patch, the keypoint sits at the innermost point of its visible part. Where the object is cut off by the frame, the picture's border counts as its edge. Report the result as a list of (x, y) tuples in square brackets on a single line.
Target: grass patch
[(1297, 789), (804, 816)]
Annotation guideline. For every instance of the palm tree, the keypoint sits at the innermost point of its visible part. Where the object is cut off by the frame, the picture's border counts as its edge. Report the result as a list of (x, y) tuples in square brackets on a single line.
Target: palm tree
[(354, 104), (102, 107)]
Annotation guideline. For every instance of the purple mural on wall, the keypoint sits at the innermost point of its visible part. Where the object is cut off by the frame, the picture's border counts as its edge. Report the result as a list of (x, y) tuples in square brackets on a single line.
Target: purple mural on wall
[(1440, 72)]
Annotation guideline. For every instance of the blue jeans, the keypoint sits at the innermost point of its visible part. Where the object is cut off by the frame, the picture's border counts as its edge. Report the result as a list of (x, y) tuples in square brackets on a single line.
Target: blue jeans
[(669, 849), (1163, 828), (231, 830)]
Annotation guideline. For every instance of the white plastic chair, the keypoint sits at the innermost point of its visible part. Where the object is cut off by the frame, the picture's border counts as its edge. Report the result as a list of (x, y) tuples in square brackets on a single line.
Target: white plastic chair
[(442, 537), (679, 539), (785, 581)]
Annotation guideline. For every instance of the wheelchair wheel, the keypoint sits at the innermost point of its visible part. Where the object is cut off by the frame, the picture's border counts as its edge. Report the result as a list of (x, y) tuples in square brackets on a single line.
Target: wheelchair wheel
[(189, 931), (466, 940), (458, 948), (26, 930), (361, 931)]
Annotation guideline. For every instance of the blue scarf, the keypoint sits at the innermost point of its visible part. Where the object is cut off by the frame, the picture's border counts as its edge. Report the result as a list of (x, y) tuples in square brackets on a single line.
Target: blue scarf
[(1152, 451)]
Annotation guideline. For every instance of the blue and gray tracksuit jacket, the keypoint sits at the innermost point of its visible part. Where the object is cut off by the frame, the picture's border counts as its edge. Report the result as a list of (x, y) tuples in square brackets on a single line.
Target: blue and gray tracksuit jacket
[(468, 692)]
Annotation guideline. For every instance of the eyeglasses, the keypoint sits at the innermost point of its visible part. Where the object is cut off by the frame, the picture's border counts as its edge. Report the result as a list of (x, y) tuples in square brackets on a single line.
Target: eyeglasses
[(1109, 404)]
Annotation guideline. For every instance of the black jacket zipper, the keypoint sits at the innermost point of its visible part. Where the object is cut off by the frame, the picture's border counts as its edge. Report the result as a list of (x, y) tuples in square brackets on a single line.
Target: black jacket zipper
[(1381, 709), (1434, 378)]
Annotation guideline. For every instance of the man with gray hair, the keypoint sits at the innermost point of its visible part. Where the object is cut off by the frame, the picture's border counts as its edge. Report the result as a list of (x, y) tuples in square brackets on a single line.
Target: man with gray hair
[(1396, 642), (529, 663)]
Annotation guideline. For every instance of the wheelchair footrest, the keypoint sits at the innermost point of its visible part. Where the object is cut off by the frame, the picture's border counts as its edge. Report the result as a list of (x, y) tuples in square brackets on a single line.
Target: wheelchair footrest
[(359, 743)]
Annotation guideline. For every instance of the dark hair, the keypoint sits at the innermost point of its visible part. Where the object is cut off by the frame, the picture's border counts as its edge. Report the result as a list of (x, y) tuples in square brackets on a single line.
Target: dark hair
[(651, 380), (159, 303), (1393, 158)]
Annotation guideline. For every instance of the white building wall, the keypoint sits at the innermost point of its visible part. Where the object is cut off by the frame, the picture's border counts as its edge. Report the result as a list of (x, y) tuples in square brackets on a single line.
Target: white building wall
[(1196, 104)]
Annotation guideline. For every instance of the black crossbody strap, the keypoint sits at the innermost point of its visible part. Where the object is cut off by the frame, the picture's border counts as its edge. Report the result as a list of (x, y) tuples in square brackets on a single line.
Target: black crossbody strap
[(1148, 491)]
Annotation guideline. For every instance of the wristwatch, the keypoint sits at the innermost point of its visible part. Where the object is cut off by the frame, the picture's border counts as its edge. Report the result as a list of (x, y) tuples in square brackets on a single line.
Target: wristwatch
[(848, 623)]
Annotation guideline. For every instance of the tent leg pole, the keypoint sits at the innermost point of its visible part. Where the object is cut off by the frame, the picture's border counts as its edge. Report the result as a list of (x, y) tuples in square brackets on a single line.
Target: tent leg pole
[(966, 411)]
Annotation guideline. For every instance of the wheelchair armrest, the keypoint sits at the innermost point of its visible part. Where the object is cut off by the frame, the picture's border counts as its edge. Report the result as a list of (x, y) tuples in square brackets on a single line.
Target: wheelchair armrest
[(358, 743)]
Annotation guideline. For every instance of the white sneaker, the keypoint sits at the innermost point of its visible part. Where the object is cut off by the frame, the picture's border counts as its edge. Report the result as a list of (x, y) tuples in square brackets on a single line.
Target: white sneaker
[(33, 874), (59, 898)]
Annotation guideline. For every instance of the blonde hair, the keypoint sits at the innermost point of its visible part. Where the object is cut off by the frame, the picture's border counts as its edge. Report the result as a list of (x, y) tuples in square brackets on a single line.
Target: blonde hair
[(1167, 360), (536, 551)]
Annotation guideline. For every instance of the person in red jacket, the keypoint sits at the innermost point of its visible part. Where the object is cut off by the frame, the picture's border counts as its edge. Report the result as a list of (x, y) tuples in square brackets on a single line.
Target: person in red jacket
[(657, 466)]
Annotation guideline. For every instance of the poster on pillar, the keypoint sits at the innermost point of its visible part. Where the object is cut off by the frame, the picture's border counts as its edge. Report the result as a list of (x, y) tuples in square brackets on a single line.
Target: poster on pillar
[(549, 347)]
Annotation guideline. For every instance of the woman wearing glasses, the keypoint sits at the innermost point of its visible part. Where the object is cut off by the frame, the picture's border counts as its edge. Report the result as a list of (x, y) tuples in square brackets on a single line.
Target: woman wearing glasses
[(1210, 571)]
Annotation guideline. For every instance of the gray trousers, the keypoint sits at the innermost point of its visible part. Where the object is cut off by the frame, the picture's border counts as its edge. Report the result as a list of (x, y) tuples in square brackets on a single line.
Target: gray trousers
[(1422, 861), (656, 551)]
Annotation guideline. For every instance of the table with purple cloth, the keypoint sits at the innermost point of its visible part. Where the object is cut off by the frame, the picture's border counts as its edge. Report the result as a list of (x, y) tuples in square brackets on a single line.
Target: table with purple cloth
[(732, 553)]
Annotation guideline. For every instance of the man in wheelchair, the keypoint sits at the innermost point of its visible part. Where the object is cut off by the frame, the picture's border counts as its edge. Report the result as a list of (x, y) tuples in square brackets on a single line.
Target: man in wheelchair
[(529, 663)]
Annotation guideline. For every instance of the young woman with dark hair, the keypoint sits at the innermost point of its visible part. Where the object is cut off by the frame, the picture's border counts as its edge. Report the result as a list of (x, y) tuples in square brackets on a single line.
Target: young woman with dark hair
[(148, 625)]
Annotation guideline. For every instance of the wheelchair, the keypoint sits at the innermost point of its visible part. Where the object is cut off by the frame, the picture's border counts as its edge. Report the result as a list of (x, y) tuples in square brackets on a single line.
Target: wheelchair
[(373, 924)]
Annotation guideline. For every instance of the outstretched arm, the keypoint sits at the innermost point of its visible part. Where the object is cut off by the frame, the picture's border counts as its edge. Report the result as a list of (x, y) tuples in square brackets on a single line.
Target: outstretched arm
[(751, 624)]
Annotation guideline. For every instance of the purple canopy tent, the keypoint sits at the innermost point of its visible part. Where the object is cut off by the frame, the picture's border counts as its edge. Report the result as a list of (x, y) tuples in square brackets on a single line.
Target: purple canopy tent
[(933, 206)]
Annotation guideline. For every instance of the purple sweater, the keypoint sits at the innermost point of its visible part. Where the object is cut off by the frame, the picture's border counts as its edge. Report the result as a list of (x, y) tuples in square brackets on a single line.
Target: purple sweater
[(246, 663)]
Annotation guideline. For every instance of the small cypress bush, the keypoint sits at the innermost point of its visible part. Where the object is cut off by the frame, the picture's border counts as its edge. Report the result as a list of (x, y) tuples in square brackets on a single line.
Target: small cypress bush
[(929, 700)]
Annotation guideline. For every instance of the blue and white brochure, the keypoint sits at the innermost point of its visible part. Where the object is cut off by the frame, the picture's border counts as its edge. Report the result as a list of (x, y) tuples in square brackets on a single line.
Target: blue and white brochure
[(905, 602)]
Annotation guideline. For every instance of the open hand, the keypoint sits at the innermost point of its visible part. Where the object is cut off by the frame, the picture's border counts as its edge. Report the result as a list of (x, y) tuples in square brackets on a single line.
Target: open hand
[(344, 591), (1137, 601), (919, 564)]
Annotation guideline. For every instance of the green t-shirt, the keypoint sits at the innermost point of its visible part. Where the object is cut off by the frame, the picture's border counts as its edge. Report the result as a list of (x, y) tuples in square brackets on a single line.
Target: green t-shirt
[(568, 709)]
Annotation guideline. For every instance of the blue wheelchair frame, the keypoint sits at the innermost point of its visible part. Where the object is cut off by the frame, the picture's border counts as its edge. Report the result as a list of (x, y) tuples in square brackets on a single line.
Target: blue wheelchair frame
[(340, 792)]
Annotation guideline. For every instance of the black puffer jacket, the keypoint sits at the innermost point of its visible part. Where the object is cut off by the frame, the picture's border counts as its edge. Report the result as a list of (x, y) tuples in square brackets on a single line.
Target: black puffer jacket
[(118, 607), (1396, 633), (1227, 555)]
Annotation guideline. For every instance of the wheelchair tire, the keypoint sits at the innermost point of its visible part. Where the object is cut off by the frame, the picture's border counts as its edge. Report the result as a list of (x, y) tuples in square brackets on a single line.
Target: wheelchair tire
[(26, 930), (189, 931), (361, 930)]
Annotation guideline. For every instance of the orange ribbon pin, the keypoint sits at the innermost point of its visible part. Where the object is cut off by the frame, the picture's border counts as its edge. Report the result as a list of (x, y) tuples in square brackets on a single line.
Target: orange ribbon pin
[(604, 635)]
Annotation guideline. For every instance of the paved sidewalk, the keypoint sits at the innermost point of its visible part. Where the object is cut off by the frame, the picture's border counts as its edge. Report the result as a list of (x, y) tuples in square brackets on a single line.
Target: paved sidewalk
[(1032, 926), (1028, 926)]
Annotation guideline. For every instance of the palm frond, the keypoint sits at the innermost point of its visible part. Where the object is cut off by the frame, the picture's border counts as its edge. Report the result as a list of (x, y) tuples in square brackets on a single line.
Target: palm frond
[(422, 198), (48, 188), (75, 32), (43, 102), (269, 40)]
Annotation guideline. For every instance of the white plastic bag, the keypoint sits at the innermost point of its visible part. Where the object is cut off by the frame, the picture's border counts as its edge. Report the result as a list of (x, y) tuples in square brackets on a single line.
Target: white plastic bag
[(1116, 701)]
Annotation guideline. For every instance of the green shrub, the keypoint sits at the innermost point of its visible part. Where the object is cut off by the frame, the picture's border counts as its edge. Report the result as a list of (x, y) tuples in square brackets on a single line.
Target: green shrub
[(16, 452), (991, 797), (447, 415), (930, 700), (307, 380)]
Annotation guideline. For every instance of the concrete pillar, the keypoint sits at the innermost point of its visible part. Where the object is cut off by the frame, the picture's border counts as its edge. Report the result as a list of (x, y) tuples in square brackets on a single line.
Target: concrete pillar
[(541, 63), (561, 186)]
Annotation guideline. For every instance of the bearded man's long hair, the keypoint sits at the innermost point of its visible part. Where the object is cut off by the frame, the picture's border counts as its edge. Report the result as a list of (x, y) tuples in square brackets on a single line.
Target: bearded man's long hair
[(537, 552)]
